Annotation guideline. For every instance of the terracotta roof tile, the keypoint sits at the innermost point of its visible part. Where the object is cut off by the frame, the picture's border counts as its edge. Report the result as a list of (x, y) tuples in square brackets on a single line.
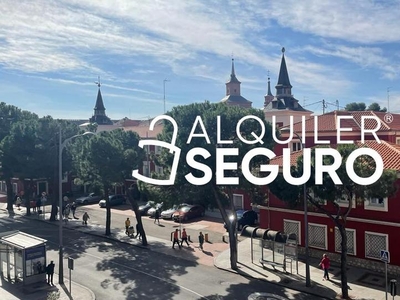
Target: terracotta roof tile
[(328, 122), (389, 152)]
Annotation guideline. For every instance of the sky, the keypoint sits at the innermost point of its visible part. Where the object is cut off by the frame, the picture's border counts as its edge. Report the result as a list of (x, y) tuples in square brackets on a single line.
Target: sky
[(52, 53)]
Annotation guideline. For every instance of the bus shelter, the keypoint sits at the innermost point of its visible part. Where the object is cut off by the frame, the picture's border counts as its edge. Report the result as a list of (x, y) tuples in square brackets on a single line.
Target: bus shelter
[(22, 257), (275, 248)]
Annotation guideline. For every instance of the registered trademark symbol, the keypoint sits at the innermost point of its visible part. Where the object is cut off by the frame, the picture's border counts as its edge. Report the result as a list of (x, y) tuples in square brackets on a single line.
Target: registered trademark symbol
[(388, 118)]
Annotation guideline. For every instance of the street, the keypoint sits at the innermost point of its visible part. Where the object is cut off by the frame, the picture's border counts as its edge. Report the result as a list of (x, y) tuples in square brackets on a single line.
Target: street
[(116, 270)]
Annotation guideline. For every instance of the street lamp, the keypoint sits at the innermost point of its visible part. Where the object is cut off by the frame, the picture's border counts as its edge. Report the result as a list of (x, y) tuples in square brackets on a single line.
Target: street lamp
[(308, 281), (60, 234), (164, 81)]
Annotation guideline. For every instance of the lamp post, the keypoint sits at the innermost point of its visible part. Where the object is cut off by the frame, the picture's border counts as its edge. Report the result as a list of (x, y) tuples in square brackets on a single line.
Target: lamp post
[(60, 214), (164, 81), (308, 280)]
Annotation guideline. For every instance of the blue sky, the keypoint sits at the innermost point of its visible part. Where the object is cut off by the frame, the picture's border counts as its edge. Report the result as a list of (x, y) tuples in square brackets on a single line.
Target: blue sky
[(51, 53)]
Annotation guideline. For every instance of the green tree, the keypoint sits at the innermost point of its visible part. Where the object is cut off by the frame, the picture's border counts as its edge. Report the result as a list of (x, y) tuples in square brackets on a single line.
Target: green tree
[(9, 116), (107, 159), (354, 106), (185, 117), (364, 166), (376, 107)]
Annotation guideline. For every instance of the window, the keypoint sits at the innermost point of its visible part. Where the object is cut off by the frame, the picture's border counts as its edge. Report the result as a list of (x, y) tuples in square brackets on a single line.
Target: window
[(238, 201), (344, 201), (290, 226), (317, 236), (374, 243), (398, 140), (146, 168), (158, 150), (296, 146), (351, 241), (379, 204), (159, 170)]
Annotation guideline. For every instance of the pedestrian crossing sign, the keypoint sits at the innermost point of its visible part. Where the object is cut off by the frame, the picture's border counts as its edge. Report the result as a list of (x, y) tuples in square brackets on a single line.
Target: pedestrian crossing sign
[(385, 256)]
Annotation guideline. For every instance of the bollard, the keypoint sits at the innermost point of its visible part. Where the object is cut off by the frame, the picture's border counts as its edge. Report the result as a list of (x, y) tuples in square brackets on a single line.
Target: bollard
[(206, 237), (393, 289), (189, 239), (172, 234)]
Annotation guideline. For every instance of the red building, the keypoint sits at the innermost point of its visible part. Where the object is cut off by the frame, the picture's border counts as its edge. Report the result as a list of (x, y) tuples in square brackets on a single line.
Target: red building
[(373, 224)]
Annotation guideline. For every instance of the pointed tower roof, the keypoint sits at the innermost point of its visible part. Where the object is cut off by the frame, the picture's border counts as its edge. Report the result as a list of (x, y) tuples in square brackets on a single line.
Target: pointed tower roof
[(269, 88), (233, 76), (99, 101), (283, 79)]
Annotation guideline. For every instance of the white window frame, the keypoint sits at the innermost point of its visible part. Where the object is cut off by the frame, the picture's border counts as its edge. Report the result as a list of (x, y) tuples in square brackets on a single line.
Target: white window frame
[(325, 238), (146, 168), (377, 207), (354, 240), (375, 233), (157, 150), (297, 233), (397, 140), (241, 200), (296, 145), (159, 170)]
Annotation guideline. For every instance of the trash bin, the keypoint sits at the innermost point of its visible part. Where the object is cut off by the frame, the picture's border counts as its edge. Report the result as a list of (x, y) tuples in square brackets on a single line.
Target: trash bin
[(206, 237)]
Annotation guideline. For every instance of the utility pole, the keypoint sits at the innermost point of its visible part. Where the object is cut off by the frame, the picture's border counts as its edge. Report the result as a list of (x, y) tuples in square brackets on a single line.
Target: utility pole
[(323, 106), (164, 81), (337, 104), (388, 97)]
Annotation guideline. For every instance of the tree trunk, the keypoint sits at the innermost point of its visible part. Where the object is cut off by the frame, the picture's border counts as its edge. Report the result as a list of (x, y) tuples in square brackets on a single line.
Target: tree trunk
[(108, 210), (10, 196), (233, 245), (27, 190), (343, 261), (135, 207)]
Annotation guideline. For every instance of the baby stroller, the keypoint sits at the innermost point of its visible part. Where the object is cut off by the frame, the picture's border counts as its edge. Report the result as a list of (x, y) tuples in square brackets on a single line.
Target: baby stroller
[(131, 231)]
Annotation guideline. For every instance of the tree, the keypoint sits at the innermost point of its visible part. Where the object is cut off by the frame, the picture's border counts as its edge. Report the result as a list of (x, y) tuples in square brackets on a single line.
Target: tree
[(107, 159), (364, 166), (9, 116), (360, 106), (353, 106), (134, 197), (185, 117)]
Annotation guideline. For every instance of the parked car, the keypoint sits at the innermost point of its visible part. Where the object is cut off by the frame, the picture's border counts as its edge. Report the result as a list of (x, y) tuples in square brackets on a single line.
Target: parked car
[(144, 208), (167, 214), (152, 210), (188, 212), (90, 198), (114, 200), (243, 217)]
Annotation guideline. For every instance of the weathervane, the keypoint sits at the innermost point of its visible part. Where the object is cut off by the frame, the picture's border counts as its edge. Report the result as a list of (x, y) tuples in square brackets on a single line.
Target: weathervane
[(98, 82)]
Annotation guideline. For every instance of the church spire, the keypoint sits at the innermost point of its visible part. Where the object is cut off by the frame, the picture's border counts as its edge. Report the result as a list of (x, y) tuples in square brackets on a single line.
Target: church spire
[(233, 75), (283, 87), (269, 86), (99, 115)]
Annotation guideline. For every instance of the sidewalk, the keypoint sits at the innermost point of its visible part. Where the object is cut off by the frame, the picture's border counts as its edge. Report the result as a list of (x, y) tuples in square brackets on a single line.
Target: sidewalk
[(363, 284)]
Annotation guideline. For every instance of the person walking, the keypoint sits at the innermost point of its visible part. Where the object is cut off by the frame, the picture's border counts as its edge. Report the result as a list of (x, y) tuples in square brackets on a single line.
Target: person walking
[(157, 216), (50, 272), (18, 202), (325, 264), (176, 239), (201, 240), (73, 209), (184, 238), (85, 218), (127, 224)]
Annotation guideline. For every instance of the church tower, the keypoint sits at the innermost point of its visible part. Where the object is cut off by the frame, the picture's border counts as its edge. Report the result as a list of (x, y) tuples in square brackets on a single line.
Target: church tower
[(99, 115), (232, 95)]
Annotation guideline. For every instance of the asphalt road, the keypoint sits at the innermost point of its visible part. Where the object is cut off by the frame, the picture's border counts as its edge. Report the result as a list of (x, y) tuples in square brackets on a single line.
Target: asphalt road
[(115, 270)]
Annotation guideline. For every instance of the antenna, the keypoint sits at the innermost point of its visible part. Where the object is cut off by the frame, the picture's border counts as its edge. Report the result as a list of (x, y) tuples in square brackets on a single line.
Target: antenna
[(323, 106), (388, 97), (98, 82), (164, 81), (337, 104)]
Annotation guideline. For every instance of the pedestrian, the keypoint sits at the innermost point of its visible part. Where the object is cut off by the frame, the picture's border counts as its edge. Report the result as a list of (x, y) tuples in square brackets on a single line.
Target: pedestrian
[(50, 272), (18, 202), (138, 234), (38, 205), (184, 237), (73, 209), (67, 210), (176, 239), (157, 216), (325, 264), (85, 218), (201, 240), (127, 224)]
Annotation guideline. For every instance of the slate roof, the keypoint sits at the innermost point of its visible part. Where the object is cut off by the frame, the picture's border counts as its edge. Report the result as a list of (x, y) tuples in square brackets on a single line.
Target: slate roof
[(235, 99), (283, 79), (287, 103)]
